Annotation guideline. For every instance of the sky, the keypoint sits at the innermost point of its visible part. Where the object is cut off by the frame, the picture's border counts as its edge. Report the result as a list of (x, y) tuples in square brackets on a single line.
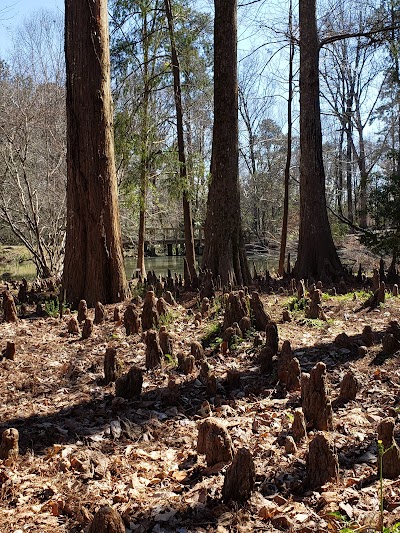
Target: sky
[(13, 12)]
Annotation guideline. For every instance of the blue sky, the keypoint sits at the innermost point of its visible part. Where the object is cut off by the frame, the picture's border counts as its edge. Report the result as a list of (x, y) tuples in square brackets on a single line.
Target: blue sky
[(12, 13)]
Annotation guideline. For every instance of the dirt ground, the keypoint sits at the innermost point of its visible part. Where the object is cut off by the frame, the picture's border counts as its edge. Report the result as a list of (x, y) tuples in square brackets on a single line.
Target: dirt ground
[(82, 447)]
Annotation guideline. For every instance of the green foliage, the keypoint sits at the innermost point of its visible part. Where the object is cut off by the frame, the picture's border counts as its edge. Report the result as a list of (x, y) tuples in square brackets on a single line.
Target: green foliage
[(170, 359), (52, 307), (316, 323), (349, 296), (138, 291), (295, 304), (167, 319), (211, 335)]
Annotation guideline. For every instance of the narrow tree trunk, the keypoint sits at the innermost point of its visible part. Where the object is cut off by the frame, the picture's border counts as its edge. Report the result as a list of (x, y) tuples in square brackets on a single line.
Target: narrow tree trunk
[(349, 162), (282, 253), (340, 173), (316, 250), (187, 213), (224, 247), (144, 152), (363, 184), (94, 266)]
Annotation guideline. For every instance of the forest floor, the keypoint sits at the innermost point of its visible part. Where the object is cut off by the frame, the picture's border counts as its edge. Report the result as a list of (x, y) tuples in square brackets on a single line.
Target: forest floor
[(81, 447)]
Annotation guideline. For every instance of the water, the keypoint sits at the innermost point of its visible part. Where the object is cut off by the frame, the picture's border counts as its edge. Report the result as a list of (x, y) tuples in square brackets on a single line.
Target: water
[(160, 265)]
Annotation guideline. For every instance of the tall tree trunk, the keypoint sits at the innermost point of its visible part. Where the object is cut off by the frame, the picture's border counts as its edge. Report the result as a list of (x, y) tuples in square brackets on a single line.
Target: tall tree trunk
[(349, 158), (339, 170), (144, 151), (187, 212), (316, 252), (93, 266), (281, 267), (224, 247), (363, 182)]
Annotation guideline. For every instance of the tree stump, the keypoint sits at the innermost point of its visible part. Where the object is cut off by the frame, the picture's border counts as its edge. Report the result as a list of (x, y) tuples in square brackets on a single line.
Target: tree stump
[(301, 290), (131, 320), (395, 291), (316, 405), (271, 337), (237, 331), (212, 385), (233, 379), (23, 292), (375, 279), (257, 340), (266, 357), (286, 315), (87, 329), (149, 314), (290, 445), (9, 448), (322, 462), (391, 457), (107, 520), (205, 371), (205, 306), (381, 293), (390, 344), (117, 314), (288, 368), (165, 340), (186, 363), (162, 307), (99, 313), (299, 430), (129, 385), (154, 353), (82, 311), (348, 388), (9, 308), (343, 341), (314, 309), (196, 349), (260, 317), (112, 367), (73, 326), (367, 336), (245, 324), (239, 478), (215, 442), (9, 352), (394, 329), (235, 310), (169, 298)]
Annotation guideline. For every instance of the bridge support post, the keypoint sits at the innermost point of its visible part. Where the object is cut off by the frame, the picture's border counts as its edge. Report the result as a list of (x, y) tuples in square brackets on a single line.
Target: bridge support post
[(169, 249)]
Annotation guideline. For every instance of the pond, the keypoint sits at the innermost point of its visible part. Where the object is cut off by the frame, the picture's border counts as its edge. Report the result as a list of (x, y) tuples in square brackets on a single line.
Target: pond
[(160, 265)]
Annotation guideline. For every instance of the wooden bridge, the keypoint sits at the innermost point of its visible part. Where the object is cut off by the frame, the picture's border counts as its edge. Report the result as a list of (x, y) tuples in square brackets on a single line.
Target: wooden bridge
[(170, 238)]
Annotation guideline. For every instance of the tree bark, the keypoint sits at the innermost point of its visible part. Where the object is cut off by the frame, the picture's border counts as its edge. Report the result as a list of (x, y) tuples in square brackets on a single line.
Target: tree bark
[(316, 250), (224, 247), (282, 253), (187, 212), (93, 265)]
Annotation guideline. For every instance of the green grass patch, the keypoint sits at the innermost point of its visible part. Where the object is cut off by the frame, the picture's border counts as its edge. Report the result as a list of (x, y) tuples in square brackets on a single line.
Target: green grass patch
[(212, 334), (316, 323)]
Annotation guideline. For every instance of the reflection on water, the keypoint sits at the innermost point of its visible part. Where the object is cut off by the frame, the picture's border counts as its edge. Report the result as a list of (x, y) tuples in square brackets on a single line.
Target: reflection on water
[(160, 265), (17, 270)]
